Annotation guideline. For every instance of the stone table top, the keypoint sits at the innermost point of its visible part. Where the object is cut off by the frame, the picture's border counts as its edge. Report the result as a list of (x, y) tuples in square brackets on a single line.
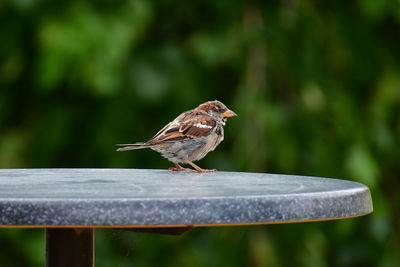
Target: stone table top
[(161, 198)]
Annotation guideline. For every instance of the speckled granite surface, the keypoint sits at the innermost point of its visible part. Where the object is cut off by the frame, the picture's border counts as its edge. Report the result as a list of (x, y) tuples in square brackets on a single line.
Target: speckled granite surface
[(137, 197)]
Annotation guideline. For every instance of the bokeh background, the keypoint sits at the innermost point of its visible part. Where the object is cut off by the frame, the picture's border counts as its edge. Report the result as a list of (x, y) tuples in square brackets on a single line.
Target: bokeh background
[(316, 85)]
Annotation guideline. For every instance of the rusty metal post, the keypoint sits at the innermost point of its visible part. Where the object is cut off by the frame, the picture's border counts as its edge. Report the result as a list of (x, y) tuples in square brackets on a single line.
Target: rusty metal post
[(67, 247)]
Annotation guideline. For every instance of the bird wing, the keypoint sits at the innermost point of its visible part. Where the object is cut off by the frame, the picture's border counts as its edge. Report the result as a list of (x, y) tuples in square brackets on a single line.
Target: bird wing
[(190, 124)]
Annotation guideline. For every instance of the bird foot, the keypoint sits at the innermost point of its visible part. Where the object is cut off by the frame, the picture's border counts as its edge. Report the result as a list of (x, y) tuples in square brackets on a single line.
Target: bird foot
[(178, 169), (203, 170), (196, 168)]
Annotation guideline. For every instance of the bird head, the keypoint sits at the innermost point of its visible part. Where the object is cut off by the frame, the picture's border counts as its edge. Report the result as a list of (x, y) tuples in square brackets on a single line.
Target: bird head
[(217, 110)]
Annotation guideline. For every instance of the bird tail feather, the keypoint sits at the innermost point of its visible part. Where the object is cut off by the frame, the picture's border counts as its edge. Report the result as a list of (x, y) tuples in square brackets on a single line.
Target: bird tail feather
[(127, 147)]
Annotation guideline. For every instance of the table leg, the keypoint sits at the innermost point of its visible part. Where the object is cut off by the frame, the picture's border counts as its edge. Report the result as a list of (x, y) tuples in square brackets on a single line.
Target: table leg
[(69, 247)]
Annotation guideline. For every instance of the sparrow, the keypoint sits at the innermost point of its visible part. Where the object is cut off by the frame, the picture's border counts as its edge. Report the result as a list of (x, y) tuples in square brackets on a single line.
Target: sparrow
[(190, 136)]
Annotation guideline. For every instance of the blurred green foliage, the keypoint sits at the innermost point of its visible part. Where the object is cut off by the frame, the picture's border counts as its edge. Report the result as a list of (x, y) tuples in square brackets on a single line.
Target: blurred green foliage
[(316, 86)]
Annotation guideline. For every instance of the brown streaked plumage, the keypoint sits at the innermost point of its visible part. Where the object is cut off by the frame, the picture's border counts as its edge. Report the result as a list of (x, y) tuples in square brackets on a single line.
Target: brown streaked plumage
[(190, 136)]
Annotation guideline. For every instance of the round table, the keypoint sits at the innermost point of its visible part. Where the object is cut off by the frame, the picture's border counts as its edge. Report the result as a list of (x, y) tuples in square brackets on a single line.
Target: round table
[(70, 203)]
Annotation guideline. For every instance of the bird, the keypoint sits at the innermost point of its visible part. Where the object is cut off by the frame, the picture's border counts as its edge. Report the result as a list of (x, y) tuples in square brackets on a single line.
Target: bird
[(190, 136)]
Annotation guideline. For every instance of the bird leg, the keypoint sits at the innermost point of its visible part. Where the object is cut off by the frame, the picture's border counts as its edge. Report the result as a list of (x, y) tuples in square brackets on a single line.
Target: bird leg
[(197, 168), (178, 168)]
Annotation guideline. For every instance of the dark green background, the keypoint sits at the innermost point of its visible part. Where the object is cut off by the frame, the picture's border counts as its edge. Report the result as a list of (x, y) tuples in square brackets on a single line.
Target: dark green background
[(316, 85)]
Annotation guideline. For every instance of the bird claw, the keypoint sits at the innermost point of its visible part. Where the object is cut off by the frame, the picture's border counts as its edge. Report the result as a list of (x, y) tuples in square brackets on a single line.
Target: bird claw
[(191, 170), (178, 169), (203, 170), (196, 168)]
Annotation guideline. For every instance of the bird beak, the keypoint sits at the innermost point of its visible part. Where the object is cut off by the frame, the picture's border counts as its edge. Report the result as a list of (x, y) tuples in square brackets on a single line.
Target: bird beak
[(229, 113)]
